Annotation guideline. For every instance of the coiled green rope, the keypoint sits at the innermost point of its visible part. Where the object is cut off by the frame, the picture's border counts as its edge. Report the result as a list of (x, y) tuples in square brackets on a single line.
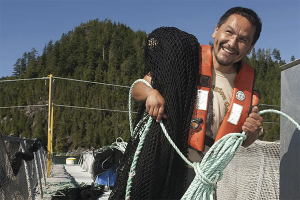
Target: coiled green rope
[(210, 170)]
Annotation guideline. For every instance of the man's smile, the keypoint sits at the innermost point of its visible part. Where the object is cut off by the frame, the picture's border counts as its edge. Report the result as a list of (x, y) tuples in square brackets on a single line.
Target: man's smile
[(228, 51)]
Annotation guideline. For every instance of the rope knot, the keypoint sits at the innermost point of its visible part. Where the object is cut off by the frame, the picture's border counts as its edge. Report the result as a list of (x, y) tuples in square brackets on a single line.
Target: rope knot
[(243, 136), (212, 183)]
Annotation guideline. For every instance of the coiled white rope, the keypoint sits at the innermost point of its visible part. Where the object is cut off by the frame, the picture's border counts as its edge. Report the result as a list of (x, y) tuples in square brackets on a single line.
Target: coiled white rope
[(210, 170)]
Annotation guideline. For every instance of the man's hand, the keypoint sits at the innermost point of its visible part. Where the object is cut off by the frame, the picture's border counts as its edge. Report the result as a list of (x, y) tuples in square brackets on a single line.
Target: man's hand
[(154, 102), (155, 105), (252, 127)]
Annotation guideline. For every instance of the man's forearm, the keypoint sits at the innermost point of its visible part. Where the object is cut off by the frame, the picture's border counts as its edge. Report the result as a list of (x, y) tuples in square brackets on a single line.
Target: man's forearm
[(140, 92), (154, 102)]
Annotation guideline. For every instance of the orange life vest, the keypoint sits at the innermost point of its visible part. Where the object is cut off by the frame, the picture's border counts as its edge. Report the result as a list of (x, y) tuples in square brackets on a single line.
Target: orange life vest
[(241, 100)]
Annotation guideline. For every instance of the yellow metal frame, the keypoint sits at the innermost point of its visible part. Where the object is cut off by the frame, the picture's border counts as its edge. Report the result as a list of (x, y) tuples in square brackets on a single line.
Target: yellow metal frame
[(50, 128)]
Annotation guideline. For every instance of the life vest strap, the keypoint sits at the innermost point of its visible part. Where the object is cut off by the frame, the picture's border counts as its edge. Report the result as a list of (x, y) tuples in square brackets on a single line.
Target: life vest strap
[(242, 99)]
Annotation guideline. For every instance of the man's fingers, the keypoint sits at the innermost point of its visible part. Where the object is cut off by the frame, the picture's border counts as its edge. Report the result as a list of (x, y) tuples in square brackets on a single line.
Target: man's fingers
[(256, 117), (253, 123), (248, 127), (150, 111), (252, 126), (160, 113), (253, 120), (155, 113), (255, 109), (155, 105)]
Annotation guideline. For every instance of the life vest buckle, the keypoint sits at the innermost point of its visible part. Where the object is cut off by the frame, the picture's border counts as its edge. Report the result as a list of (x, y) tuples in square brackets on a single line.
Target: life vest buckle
[(204, 81), (195, 123)]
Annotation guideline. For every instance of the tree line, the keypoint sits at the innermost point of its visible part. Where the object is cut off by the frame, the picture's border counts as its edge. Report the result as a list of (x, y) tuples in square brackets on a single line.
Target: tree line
[(105, 52)]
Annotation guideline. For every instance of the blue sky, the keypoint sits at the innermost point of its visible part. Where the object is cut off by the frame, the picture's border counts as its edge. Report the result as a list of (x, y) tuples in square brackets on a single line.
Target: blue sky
[(25, 24)]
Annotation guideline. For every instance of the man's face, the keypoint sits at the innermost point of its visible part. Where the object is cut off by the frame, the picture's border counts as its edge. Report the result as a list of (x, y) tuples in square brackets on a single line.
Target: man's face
[(233, 40)]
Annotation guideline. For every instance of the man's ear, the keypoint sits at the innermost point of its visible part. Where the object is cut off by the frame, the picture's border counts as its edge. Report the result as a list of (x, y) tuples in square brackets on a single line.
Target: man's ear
[(249, 51), (215, 32)]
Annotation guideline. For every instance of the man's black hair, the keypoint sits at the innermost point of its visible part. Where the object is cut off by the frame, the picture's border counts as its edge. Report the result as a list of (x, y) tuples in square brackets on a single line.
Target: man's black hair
[(249, 14)]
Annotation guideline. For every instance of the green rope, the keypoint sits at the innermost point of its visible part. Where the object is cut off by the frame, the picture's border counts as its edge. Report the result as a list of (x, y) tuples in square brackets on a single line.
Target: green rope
[(136, 156), (129, 106), (210, 170)]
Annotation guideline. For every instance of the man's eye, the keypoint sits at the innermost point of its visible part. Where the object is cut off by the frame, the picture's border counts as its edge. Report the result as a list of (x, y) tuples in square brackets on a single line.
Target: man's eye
[(243, 40)]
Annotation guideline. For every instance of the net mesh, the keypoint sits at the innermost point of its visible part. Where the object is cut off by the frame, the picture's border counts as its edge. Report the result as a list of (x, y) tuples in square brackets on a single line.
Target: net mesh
[(172, 58), (253, 173), (86, 161), (78, 192), (105, 159), (20, 167)]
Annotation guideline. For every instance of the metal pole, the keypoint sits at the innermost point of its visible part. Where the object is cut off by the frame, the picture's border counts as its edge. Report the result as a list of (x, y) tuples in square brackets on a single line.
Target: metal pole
[(51, 134), (50, 111), (103, 52)]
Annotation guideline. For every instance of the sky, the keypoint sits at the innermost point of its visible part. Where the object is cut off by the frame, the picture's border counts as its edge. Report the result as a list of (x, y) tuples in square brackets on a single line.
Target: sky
[(25, 24)]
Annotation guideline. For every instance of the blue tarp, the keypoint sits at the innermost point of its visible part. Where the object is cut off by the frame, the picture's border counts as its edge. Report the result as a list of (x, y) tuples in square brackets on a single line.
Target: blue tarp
[(107, 178)]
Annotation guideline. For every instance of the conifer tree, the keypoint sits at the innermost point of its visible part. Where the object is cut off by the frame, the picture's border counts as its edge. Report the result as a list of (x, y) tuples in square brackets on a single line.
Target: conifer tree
[(105, 52)]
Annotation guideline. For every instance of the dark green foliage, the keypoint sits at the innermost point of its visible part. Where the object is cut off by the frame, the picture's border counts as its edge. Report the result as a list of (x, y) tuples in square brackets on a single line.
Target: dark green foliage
[(97, 51), (267, 84), (292, 58), (105, 52)]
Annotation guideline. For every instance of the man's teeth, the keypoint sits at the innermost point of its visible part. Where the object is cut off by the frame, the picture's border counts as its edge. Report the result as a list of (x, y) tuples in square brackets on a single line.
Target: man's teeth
[(228, 51)]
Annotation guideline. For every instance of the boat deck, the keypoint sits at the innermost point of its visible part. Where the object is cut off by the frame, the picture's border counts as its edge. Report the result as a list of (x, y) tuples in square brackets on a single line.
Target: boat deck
[(67, 176)]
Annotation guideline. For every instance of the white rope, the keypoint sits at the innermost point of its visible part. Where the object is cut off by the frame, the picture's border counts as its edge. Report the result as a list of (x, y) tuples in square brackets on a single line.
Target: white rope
[(268, 105), (101, 109), (25, 106), (120, 145), (69, 79), (210, 170), (28, 79)]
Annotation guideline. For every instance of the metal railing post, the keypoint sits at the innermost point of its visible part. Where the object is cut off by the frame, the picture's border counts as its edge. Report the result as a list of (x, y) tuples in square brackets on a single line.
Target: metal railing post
[(50, 128)]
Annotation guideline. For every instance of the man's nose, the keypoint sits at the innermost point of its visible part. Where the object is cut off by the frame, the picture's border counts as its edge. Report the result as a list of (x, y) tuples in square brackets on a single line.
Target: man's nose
[(233, 41)]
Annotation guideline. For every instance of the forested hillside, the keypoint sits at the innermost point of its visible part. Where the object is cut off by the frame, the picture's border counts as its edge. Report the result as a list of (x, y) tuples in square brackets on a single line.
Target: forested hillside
[(267, 63), (104, 52)]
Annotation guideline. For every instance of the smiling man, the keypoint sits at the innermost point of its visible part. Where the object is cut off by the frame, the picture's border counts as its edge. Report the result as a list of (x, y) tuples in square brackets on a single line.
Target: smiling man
[(234, 37), (223, 101)]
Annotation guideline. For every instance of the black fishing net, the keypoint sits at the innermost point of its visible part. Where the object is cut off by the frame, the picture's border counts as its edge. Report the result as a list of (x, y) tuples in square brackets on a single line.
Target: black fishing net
[(172, 58), (16, 159), (21, 167), (105, 159), (85, 192)]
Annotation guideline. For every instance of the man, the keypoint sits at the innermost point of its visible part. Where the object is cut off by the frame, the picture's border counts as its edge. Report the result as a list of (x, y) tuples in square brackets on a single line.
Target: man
[(161, 172), (234, 37)]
